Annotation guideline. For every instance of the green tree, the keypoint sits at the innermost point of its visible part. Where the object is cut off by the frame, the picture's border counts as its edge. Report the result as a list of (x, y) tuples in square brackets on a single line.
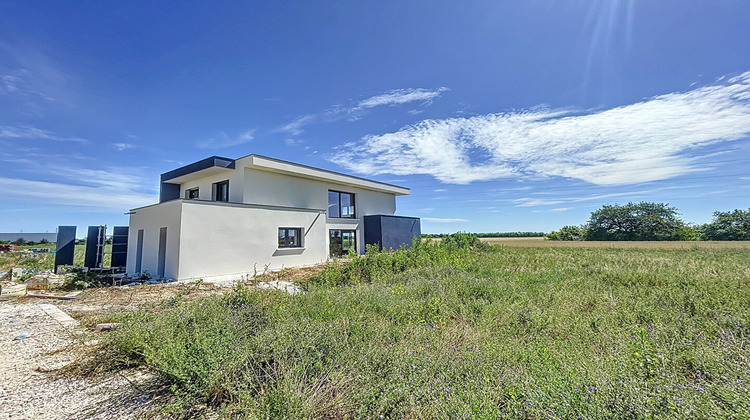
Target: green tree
[(728, 226), (642, 221), (567, 233), (20, 241)]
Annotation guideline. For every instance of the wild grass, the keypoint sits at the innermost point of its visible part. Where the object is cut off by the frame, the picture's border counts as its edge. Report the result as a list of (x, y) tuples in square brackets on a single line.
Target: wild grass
[(46, 261), (518, 333)]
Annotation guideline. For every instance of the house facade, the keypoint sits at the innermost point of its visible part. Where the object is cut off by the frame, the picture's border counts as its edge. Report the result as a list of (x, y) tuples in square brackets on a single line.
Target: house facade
[(221, 217)]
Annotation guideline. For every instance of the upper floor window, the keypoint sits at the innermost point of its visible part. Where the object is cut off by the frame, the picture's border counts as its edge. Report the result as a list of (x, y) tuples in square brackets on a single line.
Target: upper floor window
[(340, 204), (221, 191), (191, 194)]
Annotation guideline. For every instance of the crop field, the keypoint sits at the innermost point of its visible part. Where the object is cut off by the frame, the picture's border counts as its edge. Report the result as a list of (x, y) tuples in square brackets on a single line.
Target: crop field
[(449, 331), (543, 242)]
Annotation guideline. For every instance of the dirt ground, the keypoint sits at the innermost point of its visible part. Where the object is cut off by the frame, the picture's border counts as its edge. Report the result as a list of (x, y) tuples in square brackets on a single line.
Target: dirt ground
[(35, 383)]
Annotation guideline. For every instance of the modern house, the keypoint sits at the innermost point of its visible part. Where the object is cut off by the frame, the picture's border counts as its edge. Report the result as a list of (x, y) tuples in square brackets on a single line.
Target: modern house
[(222, 217)]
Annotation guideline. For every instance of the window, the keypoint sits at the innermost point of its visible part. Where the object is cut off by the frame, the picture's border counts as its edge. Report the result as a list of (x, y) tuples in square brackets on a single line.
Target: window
[(341, 242), (191, 194), (290, 237), (340, 204), (221, 191)]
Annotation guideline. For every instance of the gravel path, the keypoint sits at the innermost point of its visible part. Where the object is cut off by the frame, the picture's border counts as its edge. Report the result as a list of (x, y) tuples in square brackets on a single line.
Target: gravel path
[(29, 389)]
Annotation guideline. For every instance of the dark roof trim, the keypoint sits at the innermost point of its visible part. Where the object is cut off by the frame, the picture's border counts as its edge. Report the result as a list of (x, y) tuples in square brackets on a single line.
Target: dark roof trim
[(198, 166), (324, 170)]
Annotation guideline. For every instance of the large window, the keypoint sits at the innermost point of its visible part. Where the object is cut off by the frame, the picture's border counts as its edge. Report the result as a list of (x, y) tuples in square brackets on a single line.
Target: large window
[(340, 204), (192, 194), (290, 237), (341, 242), (221, 191)]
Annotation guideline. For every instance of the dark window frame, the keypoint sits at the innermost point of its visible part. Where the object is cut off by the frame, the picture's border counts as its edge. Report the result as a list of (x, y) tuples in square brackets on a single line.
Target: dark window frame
[(225, 197), (331, 237), (286, 230), (190, 191), (353, 198)]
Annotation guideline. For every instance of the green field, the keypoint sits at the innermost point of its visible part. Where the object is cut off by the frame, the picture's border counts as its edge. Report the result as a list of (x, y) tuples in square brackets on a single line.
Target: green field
[(46, 261), (512, 332)]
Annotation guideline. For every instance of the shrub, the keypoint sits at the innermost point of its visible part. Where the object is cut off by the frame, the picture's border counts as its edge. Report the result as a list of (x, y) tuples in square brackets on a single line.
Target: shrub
[(78, 278), (567, 233), (457, 250)]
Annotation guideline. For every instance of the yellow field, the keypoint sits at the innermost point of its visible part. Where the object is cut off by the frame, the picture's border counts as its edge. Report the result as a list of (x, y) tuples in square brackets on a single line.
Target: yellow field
[(544, 243)]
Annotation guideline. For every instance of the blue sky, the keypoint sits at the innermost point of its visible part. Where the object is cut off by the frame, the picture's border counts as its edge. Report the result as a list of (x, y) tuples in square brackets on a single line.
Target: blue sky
[(500, 116)]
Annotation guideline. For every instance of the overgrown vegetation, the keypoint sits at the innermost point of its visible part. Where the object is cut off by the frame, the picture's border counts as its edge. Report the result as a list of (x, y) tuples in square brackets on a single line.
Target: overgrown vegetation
[(458, 250), (516, 333)]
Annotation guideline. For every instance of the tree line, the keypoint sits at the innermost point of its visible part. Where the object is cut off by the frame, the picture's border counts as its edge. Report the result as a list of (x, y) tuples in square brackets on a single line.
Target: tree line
[(646, 221)]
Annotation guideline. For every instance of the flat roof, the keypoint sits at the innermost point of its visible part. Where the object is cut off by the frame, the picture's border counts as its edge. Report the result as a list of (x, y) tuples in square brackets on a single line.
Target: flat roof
[(215, 164)]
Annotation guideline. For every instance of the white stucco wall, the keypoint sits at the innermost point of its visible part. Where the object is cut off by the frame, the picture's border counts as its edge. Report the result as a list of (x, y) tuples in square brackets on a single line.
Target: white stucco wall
[(225, 239), (207, 239), (205, 185), (151, 219)]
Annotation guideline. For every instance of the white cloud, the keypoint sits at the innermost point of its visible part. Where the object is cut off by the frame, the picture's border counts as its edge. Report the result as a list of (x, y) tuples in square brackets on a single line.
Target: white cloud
[(400, 96), (103, 190), (29, 132), (353, 113), (293, 142), (123, 146), (441, 220), (645, 141), (223, 140)]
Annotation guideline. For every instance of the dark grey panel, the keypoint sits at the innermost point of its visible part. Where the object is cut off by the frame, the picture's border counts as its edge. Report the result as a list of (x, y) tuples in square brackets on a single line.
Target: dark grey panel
[(66, 244), (161, 262), (391, 232), (197, 166), (139, 251), (95, 247), (168, 192), (119, 246)]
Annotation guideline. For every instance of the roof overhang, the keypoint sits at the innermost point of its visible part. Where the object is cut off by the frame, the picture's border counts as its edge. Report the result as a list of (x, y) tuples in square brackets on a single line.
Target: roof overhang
[(302, 171), (202, 168)]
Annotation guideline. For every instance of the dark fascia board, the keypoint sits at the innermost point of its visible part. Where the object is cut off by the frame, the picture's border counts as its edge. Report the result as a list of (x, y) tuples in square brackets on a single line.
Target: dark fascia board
[(323, 170), (206, 163), (390, 215)]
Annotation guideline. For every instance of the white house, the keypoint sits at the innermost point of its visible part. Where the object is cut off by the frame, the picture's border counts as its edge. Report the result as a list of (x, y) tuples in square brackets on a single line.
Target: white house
[(221, 217)]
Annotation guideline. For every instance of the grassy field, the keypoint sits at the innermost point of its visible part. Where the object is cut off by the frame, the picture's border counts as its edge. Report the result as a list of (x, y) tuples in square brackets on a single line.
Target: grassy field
[(513, 332), (46, 261), (543, 242)]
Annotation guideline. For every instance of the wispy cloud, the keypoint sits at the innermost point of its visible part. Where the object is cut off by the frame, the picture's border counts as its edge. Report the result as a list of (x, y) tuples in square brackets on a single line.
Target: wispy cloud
[(354, 112), (535, 202), (123, 146), (645, 141), (103, 189), (222, 140), (399, 97), (33, 133), (442, 220)]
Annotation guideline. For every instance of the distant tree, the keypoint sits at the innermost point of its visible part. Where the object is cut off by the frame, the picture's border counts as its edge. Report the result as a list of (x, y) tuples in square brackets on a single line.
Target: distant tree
[(20, 241), (642, 221), (44, 241), (567, 233), (728, 226)]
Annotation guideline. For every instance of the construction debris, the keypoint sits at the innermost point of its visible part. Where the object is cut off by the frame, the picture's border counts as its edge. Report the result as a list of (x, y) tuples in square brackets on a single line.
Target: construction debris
[(108, 326), (23, 335), (44, 281), (8, 290)]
